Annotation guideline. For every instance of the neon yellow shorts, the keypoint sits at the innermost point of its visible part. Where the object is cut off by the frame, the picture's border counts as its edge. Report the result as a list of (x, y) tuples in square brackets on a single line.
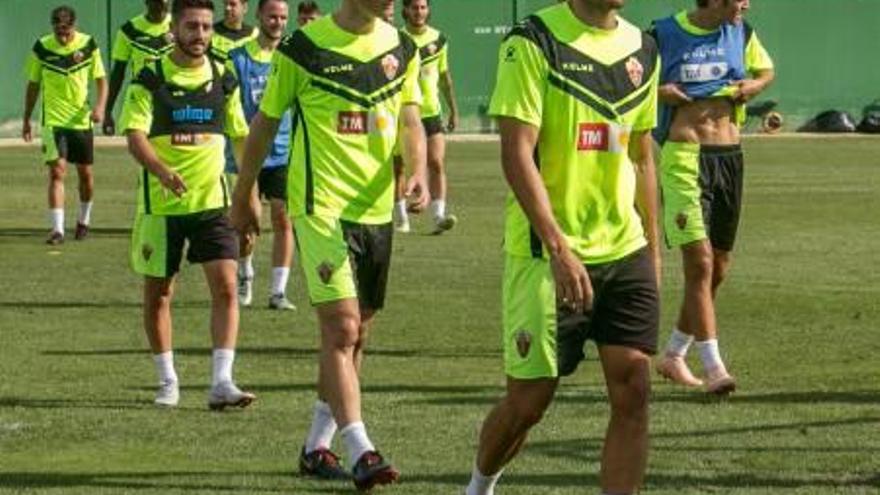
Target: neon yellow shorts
[(680, 186)]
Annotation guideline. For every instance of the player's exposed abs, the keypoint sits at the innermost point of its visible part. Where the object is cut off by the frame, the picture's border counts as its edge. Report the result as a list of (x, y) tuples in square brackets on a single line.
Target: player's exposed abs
[(713, 63), (348, 78), (61, 65), (252, 64), (232, 32), (435, 79), (139, 41), (306, 12), (175, 115), (582, 260)]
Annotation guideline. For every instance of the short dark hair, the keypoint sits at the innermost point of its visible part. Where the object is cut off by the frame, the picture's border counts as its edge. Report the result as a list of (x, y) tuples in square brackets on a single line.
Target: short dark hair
[(178, 6), (407, 3), (62, 15), (262, 3), (307, 7)]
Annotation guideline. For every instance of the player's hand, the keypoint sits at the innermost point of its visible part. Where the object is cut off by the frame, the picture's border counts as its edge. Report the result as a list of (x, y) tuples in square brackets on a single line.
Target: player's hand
[(417, 193), (672, 94), (109, 126), (746, 90), (173, 182), (573, 287), (452, 123), (245, 214), (26, 132), (97, 115)]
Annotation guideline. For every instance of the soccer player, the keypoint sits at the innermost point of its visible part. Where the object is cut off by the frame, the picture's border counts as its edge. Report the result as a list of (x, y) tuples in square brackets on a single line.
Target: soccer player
[(138, 42), (252, 63), (176, 113), (435, 79), (306, 12), (352, 83), (575, 101), (61, 65), (232, 32), (713, 63)]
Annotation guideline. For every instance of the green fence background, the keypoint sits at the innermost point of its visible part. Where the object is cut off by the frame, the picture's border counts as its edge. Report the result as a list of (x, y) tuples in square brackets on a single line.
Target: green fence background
[(825, 52)]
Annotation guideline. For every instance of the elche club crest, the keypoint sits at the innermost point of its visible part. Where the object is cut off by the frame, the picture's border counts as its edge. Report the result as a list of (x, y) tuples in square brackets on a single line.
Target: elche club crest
[(390, 65), (168, 37), (523, 343), (636, 71), (78, 56), (432, 48)]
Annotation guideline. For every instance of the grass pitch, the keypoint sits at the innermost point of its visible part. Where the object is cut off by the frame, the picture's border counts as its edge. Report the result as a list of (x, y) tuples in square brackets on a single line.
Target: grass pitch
[(798, 325)]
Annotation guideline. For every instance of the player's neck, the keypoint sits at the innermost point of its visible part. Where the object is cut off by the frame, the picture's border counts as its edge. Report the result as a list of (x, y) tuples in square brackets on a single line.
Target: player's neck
[(416, 29), (599, 18), (233, 25), (64, 41), (266, 43), (705, 19), (185, 60), (350, 18)]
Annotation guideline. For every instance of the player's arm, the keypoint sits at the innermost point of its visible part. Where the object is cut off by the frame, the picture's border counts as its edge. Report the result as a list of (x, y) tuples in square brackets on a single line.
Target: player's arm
[(100, 100), (31, 93), (245, 210), (448, 91), (142, 151), (414, 152), (641, 152), (760, 67), (518, 143), (117, 77)]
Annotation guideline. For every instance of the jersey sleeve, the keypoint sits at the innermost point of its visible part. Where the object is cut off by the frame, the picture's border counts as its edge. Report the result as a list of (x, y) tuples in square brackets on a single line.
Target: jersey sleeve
[(121, 47), (33, 69), (443, 62), (647, 117), (284, 85), (412, 90), (757, 58), (521, 82), (97, 69), (137, 111)]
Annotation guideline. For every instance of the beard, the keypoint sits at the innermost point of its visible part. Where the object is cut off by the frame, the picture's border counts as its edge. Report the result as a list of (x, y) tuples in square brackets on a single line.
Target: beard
[(193, 50)]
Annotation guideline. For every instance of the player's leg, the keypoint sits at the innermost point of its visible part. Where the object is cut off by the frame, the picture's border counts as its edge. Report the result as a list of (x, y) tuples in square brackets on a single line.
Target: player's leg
[(437, 175), (274, 187), (400, 213), (81, 151), (54, 153), (721, 262), (214, 244)]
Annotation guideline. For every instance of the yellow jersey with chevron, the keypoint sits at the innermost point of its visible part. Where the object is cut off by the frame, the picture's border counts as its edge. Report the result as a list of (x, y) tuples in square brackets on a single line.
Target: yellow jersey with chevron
[(185, 113), (64, 73), (433, 50), (587, 90), (346, 92), (225, 40), (139, 42)]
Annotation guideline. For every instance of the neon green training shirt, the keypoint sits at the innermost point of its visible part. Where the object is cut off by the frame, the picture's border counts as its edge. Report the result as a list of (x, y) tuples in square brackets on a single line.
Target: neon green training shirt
[(139, 42), (434, 52), (225, 40), (63, 73), (346, 92), (587, 90)]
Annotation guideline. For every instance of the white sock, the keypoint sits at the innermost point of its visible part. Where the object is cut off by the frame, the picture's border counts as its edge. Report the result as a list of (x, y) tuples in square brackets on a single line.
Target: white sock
[(246, 267), (165, 367), (323, 428), (56, 219), (481, 484), (280, 274), (709, 354), (85, 213), (438, 209), (679, 342), (356, 441), (400, 211), (223, 359)]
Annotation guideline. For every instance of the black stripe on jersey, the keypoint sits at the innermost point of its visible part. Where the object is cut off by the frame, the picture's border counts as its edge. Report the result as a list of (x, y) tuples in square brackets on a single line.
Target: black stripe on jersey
[(364, 78), (364, 101), (612, 82), (66, 64), (231, 34), (156, 45), (225, 190), (748, 32), (633, 103), (425, 52), (300, 119), (145, 178), (535, 244), (584, 98)]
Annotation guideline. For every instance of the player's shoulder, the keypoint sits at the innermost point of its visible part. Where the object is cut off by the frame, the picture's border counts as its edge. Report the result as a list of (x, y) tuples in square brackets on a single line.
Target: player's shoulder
[(42, 44)]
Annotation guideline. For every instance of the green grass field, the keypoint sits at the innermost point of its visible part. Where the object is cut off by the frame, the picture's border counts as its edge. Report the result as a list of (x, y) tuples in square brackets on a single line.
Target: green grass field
[(798, 322)]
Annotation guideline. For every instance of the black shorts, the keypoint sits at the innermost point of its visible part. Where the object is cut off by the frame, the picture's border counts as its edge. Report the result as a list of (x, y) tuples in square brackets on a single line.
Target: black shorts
[(369, 249), (433, 125), (721, 186), (625, 312), (74, 146), (272, 183)]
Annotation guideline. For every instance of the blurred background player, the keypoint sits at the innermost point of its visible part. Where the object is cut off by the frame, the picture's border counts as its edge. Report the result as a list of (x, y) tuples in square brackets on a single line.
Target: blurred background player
[(306, 12), (341, 197), (175, 116), (61, 65), (435, 79), (713, 63), (139, 41), (252, 63), (232, 32)]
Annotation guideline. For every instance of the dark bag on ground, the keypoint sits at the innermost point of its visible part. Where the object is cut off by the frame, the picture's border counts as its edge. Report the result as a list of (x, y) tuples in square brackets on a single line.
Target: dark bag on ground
[(830, 121), (870, 123)]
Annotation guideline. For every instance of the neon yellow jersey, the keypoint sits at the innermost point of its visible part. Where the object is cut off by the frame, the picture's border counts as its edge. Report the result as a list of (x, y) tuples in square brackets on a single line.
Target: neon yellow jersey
[(345, 92), (190, 137), (434, 52), (587, 90), (225, 40), (139, 42), (63, 73)]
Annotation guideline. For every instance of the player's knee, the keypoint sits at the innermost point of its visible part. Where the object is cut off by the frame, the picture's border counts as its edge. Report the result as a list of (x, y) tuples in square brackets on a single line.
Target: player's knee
[(630, 397), (525, 412), (343, 331), (57, 171), (699, 265), (435, 164)]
